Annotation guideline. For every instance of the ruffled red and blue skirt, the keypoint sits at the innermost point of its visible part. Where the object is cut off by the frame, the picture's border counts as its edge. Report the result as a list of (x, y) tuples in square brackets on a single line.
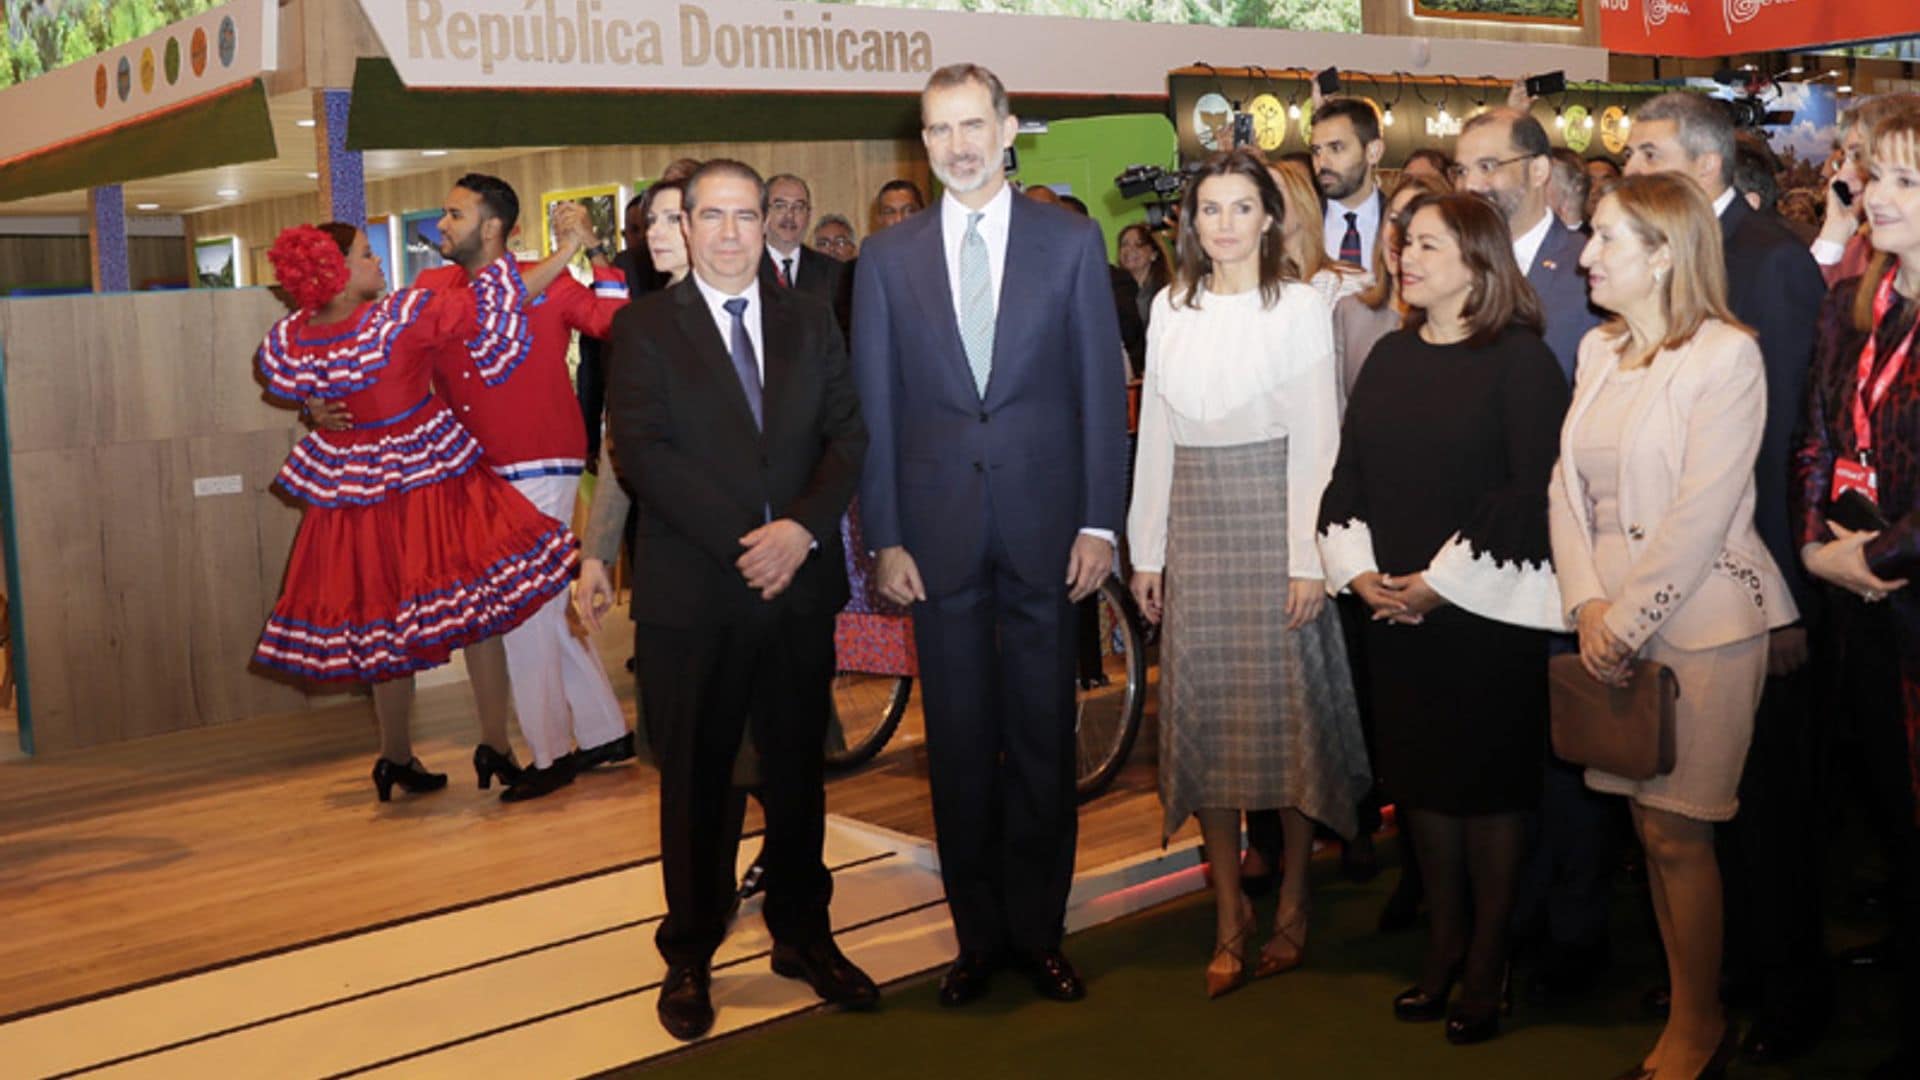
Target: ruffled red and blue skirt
[(409, 549)]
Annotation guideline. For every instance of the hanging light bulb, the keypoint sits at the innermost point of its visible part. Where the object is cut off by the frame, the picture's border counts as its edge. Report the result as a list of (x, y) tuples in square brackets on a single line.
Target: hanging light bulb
[(1559, 119), (1387, 117), (1588, 122), (1444, 117), (1293, 111)]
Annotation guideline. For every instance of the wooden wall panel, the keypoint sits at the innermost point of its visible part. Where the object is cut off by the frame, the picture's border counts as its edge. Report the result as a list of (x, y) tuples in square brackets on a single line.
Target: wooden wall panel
[(1396, 17), (844, 176), (141, 602), (63, 260)]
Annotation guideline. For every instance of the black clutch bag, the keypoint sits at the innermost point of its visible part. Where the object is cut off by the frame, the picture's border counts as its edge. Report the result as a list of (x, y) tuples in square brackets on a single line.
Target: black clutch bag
[(1853, 510)]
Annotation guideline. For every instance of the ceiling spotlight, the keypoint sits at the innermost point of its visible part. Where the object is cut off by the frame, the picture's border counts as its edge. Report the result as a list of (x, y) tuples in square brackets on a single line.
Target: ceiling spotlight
[(146, 206), (306, 123), (1843, 89), (443, 153), (313, 176), (1747, 67), (1795, 70), (228, 193)]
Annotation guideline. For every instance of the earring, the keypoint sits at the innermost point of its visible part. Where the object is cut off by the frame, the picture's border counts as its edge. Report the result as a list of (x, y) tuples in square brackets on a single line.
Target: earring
[(1659, 277)]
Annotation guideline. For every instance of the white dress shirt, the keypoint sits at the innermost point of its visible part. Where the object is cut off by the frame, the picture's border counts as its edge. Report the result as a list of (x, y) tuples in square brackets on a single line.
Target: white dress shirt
[(716, 303), (1725, 200), (780, 263), (1527, 246), (1367, 220), (1228, 374), (993, 229)]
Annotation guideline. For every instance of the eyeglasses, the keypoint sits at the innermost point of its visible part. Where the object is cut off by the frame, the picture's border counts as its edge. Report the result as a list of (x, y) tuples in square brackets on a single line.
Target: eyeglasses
[(833, 242), (781, 206), (1485, 167)]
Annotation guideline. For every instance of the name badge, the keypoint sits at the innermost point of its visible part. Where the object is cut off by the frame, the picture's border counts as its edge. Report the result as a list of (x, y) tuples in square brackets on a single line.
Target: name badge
[(1851, 475)]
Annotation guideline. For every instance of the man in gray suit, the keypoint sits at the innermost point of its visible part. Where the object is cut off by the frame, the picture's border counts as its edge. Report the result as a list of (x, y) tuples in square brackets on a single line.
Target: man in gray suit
[(1503, 155)]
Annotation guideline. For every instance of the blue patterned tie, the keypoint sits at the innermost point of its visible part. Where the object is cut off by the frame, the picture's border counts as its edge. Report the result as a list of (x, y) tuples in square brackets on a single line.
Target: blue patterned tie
[(976, 303), (745, 366), (1350, 241)]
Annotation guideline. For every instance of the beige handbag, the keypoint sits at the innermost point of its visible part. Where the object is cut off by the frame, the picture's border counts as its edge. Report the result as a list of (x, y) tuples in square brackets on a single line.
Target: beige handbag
[(1626, 731)]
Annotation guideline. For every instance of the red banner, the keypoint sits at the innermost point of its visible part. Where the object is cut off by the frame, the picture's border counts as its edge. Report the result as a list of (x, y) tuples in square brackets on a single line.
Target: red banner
[(1722, 27)]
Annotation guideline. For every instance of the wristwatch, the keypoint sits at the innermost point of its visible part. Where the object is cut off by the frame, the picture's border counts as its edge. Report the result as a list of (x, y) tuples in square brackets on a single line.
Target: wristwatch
[(604, 251)]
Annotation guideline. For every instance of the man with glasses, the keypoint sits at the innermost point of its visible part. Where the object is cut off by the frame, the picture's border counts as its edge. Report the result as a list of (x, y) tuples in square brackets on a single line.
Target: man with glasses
[(834, 237), (1503, 156), (789, 263)]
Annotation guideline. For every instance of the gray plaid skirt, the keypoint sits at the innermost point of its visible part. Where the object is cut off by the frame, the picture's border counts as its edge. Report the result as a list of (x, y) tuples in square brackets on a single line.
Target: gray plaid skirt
[(1252, 717)]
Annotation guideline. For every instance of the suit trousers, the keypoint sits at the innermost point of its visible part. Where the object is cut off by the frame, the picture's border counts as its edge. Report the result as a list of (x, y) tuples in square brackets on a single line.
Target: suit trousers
[(698, 686), (997, 658), (560, 691)]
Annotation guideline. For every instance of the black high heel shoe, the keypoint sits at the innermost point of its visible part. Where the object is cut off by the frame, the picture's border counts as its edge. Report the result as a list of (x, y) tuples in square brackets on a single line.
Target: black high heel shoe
[(489, 763), (1415, 1005), (412, 777), (1716, 1067)]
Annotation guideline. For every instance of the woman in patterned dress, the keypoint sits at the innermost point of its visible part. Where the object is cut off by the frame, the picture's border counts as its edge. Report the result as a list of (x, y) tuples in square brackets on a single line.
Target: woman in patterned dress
[(408, 549)]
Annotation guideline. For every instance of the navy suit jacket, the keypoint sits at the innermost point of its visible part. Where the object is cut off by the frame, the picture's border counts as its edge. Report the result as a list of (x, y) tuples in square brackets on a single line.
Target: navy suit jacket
[(1043, 453), (1562, 288), (1775, 287)]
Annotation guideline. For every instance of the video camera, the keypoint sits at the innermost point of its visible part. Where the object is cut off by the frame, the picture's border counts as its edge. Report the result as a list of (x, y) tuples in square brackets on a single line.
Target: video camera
[(1161, 186)]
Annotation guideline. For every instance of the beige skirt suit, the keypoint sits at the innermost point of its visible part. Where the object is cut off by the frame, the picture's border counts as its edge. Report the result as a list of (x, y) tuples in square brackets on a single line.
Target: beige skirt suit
[(1651, 510)]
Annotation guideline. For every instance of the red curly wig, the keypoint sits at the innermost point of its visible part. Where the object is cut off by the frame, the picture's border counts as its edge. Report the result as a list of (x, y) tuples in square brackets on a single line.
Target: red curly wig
[(311, 262)]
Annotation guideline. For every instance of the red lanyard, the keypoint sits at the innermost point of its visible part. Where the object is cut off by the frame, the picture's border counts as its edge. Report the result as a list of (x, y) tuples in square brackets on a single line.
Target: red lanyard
[(1863, 404)]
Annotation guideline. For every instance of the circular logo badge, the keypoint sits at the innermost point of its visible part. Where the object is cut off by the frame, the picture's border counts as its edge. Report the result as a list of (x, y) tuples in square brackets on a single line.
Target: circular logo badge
[(1269, 121), (229, 41), (146, 71), (1213, 121), (1306, 121), (100, 86), (1578, 128), (124, 78), (197, 52), (1614, 127), (170, 61)]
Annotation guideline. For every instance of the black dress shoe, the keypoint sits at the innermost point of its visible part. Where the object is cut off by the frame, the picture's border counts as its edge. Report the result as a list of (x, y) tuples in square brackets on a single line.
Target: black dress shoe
[(1773, 1040), (686, 1007), (611, 752), (967, 979), (1053, 976), (825, 968), (535, 782), (1416, 1006)]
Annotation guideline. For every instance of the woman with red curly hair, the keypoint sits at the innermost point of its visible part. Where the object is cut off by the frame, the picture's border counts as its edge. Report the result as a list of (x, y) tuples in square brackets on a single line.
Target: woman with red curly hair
[(408, 550)]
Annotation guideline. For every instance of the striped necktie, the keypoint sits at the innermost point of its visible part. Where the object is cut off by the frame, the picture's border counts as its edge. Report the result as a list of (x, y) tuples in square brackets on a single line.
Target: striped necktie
[(1350, 243), (976, 303)]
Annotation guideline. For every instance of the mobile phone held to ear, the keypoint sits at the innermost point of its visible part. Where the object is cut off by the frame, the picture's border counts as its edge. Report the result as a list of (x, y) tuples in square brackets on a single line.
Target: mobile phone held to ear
[(1843, 192), (1553, 82), (1328, 81)]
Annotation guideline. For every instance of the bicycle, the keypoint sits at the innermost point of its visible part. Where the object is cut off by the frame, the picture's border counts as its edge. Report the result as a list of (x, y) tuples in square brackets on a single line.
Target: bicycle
[(1111, 685)]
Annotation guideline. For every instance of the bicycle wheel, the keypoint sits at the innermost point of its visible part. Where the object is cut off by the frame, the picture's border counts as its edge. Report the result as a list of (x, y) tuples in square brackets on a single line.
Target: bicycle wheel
[(1112, 688), (866, 710)]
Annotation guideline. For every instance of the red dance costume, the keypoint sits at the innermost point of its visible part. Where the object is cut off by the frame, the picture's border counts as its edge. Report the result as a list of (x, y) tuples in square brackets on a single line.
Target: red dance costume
[(409, 548)]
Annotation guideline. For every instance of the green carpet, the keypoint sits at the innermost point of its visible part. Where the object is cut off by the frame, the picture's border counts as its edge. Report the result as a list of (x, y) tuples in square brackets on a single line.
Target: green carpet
[(1147, 1015)]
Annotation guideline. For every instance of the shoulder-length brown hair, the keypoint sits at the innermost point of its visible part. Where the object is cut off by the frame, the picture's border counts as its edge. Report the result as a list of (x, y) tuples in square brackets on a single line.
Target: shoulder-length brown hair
[(1500, 296), (1376, 295), (1195, 268), (1160, 271), (1895, 137), (1670, 209)]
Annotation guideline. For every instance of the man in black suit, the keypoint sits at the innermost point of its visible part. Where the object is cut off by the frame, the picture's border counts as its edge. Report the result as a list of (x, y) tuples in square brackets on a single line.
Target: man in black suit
[(788, 261), (988, 359), (736, 426), (1504, 156), (1773, 897), (1346, 152)]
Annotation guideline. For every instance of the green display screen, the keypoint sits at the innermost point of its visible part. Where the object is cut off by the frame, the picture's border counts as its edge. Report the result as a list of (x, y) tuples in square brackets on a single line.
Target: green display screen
[(46, 34)]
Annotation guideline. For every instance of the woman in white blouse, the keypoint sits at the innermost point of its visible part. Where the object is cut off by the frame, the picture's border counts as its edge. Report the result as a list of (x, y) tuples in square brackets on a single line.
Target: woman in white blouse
[(1239, 426)]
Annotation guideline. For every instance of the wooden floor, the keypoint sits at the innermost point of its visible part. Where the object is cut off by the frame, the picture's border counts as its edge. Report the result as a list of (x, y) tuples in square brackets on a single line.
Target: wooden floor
[(149, 859)]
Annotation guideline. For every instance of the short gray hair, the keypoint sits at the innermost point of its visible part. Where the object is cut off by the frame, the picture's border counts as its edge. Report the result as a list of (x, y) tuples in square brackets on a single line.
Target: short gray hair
[(835, 219), (787, 176), (960, 74), (1702, 125)]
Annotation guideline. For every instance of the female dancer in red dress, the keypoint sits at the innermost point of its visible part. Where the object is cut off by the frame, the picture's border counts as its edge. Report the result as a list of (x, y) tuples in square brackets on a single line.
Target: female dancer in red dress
[(408, 549)]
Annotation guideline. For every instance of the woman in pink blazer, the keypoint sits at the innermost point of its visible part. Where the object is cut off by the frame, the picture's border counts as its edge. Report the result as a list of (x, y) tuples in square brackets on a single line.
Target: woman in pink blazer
[(1651, 510)]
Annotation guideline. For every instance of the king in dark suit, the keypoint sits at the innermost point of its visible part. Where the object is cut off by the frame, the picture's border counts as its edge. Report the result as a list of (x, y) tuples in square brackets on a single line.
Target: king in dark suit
[(736, 426), (1773, 910), (988, 358)]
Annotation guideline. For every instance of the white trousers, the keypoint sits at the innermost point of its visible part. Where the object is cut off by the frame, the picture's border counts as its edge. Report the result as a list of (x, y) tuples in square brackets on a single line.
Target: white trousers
[(560, 691)]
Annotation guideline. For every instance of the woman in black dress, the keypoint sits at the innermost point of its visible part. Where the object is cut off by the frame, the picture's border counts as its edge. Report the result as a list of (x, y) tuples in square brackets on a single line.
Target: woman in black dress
[(1436, 518)]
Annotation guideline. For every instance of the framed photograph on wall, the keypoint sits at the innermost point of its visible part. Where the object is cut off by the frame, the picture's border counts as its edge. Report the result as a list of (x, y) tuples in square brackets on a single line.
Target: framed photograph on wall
[(380, 239), (216, 263), (603, 206), (419, 244), (1544, 12)]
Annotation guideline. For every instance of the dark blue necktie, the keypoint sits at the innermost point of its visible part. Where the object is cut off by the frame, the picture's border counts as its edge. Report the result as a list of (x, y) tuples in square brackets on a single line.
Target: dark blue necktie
[(1350, 240), (745, 366)]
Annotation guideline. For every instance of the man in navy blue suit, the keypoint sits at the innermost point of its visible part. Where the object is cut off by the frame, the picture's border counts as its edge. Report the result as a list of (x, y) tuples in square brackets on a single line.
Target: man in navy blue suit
[(988, 360), (1504, 156)]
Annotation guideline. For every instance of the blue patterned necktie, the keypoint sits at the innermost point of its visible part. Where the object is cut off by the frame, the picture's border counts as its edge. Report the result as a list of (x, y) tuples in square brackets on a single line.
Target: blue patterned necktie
[(976, 303), (745, 365), (1350, 242)]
